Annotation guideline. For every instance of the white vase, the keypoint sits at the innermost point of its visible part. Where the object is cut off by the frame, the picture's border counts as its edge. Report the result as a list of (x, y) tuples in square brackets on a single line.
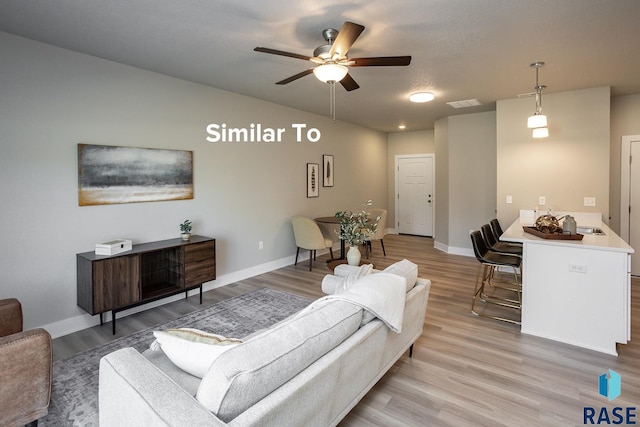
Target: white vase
[(185, 236), (353, 256)]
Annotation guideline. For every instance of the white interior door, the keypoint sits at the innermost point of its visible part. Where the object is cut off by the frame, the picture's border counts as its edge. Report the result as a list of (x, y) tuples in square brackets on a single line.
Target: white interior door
[(634, 207), (414, 194)]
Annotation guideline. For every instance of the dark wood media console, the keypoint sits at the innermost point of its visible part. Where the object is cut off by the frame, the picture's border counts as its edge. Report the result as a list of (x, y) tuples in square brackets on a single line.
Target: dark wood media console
[(148, 272)]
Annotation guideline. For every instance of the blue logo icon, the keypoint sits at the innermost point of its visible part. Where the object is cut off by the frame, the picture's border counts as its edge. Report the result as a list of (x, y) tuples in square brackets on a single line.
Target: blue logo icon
[(609, 384)]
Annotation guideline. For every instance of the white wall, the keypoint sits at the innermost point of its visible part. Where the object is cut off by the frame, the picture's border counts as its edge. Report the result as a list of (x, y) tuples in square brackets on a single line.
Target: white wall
[(572, 163), (52, 99)]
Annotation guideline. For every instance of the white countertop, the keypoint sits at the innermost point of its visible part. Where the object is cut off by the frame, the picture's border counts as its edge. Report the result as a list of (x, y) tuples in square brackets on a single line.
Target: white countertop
[(609, 242)]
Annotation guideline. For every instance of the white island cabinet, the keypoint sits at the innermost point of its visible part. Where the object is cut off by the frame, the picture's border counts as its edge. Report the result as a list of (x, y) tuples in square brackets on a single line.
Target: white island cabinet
[(576, 292)]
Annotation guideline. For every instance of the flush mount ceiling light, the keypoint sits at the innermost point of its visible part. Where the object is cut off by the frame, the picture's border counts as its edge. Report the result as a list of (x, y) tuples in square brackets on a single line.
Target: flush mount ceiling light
[(421, 97), (538, 121), (330, 72)]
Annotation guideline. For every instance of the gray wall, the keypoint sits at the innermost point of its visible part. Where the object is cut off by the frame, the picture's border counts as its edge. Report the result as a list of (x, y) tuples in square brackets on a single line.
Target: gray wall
[(625, 120), (572, 163), (472, 175), (53, 99), (418, 142), (468, 177), (441, 232)]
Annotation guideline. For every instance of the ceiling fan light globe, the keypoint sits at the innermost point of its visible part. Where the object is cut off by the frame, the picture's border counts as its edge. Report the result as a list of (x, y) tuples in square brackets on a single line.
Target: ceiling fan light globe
[(537, 121), (330, 72)]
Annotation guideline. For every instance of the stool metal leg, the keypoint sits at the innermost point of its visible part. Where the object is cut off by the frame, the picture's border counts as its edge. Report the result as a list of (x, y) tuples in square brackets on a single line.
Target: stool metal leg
[(483, 276)]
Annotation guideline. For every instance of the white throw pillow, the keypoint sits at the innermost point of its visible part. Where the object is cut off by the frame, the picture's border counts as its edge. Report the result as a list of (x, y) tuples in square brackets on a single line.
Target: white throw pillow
[(193, 350), (406, 269), (344, 277)]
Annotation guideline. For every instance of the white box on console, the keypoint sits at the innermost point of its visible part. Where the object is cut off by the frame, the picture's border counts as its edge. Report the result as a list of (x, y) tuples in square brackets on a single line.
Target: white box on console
[(113, 247)]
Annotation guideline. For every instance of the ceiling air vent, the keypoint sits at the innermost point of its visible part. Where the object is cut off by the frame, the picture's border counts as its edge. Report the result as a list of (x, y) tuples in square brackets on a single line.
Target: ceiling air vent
[(465, 103)]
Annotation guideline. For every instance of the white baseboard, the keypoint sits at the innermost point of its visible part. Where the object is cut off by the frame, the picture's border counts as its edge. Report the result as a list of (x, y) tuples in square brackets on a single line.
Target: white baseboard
[(84, 321), (453, 250)]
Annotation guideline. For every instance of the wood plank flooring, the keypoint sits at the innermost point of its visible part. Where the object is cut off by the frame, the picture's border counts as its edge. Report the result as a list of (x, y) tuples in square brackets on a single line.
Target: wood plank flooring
[(465, 370)]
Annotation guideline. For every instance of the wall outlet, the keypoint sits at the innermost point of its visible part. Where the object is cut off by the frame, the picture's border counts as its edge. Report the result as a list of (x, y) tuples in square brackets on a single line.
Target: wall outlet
[(578, 268), (260, 244), (589, 201), (509, 199), (542, 200)]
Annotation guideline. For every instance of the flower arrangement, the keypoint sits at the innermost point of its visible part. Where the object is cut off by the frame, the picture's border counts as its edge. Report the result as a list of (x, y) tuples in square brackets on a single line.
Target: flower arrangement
[(355, 228)]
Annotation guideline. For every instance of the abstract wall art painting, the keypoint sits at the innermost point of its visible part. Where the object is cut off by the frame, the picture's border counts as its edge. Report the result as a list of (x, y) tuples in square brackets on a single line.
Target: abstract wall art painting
[(327, 168), (313, 178), (112, 175)]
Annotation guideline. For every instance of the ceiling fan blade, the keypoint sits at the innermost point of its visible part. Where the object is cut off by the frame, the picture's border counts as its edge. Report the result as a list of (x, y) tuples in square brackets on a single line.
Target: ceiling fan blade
[(348, 83), (380, 61), (282, 53), (295, 77), (346, 37)]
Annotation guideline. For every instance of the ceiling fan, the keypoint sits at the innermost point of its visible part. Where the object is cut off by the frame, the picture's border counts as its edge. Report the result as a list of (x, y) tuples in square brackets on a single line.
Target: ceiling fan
[(332, 62)]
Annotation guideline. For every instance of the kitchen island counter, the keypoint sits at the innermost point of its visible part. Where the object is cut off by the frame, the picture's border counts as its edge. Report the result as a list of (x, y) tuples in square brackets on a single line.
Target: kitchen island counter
[(576, 291), (608, 241)]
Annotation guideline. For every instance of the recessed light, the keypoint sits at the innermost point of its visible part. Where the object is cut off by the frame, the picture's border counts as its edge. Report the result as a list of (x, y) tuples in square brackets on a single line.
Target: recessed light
[(402, 127), (421, 97)]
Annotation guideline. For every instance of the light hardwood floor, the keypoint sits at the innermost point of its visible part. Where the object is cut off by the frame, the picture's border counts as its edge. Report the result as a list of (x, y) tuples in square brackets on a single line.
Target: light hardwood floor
[(465, 370)]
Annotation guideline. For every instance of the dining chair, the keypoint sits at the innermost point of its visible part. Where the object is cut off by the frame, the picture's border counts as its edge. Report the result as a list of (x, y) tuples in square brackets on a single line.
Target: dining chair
[(308, 236), (379, 234), (489, 261)]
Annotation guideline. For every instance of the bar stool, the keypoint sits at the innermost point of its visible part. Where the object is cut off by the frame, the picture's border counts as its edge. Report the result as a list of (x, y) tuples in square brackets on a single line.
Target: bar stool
[(488, 263), (497, 232), (497, 246)]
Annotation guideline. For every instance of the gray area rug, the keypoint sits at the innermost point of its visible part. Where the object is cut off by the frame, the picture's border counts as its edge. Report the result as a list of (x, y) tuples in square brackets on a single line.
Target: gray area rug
[(74, 398)]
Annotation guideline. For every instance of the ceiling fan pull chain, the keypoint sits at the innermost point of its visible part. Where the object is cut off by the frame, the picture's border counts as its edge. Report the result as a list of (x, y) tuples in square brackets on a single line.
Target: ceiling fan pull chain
[(332, 100)]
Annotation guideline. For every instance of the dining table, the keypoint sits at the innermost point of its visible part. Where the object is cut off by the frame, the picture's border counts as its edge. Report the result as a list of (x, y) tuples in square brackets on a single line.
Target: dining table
[(332, 220)]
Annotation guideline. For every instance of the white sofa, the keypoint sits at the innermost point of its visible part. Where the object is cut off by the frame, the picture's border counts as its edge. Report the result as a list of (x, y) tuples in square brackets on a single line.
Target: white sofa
[(309, 370)]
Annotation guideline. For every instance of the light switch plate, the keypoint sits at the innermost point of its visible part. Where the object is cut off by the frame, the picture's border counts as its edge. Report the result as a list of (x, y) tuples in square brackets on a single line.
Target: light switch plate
[(578, 268), (589, 201), (509, 199)]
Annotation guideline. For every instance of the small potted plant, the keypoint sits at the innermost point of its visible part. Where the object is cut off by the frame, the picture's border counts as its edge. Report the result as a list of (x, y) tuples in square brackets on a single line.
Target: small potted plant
[(355, 228), (185, 228)]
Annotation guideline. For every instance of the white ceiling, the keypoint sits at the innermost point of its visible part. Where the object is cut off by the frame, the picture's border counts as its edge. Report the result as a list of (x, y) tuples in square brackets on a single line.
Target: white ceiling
[(461, 49)]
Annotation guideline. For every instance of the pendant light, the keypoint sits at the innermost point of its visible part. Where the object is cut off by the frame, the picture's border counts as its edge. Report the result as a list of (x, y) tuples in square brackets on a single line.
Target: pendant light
[(538, 121)]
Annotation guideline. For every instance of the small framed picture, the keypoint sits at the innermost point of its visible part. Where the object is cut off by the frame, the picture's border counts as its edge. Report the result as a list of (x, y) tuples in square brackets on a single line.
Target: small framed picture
[(313, 176), (327, 170)]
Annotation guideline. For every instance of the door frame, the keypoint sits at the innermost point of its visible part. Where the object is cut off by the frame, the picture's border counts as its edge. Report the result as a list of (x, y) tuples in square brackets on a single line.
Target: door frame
[(625, 184), (397, 191)]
